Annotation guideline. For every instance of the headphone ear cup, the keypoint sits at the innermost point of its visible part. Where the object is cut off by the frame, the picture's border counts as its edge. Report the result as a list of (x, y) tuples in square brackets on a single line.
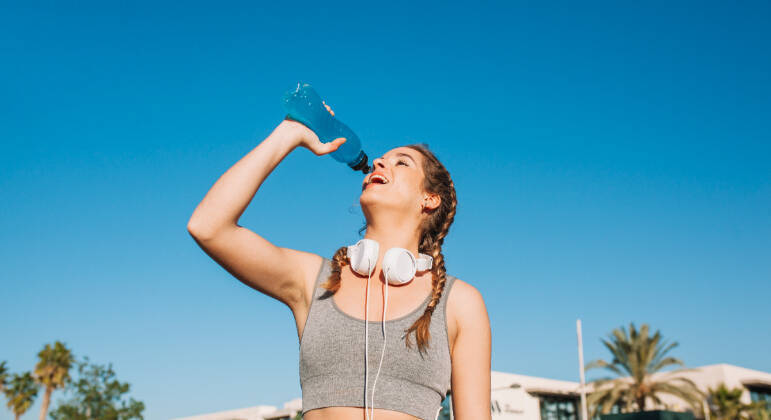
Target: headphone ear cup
[(363, 256), (399, 266)]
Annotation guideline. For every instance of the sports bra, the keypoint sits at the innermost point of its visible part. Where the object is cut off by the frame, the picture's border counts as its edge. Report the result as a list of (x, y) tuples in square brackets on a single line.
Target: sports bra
[(332, 358)]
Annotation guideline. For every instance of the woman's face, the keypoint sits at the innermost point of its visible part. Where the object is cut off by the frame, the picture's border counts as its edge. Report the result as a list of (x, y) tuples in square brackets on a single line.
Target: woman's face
[(396, 181)]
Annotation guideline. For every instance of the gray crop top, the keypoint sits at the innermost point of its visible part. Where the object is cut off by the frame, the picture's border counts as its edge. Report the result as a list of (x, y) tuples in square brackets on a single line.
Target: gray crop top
[(332, 358)]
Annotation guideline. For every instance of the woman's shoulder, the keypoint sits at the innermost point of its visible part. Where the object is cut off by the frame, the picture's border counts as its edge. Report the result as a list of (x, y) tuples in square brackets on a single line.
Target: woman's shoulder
[(465, 301), (466, 317)]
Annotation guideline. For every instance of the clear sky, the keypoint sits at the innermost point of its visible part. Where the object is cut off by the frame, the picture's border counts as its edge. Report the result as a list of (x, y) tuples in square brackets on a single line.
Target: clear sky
[(611, 164)]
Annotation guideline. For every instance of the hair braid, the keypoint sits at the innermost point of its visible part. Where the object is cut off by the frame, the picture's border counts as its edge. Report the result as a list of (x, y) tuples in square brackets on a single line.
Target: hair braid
[(339, 260)]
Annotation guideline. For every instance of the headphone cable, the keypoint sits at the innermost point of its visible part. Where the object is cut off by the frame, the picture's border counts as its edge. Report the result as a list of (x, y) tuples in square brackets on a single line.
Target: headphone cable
[(374, 383), (366, 340)]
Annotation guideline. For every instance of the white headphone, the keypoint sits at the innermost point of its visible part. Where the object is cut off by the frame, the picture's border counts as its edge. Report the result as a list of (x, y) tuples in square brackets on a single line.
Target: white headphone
[(399, 266)]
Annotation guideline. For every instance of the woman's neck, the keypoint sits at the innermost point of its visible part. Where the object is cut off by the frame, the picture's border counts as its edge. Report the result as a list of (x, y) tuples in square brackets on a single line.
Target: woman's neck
[(402, 236)]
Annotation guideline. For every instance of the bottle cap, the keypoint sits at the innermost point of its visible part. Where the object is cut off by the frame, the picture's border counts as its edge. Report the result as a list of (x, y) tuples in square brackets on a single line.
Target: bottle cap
[(362, 164)]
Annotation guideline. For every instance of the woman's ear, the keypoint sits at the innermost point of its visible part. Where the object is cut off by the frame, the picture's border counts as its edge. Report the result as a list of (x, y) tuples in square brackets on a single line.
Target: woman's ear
[(431, 201)]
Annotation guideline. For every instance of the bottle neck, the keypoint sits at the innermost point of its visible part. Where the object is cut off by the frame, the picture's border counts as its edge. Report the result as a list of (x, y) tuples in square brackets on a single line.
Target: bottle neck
[(360, 163)]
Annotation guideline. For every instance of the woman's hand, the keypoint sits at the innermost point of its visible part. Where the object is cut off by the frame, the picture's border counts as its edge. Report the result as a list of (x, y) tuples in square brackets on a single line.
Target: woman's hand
[(305, 137)]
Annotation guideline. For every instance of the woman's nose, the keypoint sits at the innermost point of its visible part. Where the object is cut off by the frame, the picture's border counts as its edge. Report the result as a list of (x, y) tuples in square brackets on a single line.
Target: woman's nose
[(379, 162)]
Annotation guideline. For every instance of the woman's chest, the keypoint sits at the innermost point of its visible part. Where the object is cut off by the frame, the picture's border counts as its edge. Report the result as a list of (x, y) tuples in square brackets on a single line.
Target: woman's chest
[(334, 343), (396, 303), (359, 300)]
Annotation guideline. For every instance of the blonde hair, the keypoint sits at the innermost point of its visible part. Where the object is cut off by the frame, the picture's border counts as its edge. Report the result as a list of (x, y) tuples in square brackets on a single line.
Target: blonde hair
[(433, 230)]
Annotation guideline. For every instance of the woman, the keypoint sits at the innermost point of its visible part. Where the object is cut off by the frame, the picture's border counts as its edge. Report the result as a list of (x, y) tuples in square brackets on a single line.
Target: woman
[(436, 326)]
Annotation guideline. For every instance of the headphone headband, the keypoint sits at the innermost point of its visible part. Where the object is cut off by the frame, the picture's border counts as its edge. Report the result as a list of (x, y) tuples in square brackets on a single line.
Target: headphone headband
[(424, 262)]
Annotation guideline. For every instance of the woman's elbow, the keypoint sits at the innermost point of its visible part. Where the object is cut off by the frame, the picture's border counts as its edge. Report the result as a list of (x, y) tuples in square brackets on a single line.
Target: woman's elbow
[(200, 230)]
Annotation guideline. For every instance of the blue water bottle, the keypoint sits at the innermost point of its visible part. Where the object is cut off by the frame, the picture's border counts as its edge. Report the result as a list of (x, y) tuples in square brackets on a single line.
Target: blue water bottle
[(305, 105)]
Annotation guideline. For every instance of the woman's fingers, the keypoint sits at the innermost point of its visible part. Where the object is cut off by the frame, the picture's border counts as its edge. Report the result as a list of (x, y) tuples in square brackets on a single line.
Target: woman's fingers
[(338, 142), (324, 148), (328, 108), (335, 144)]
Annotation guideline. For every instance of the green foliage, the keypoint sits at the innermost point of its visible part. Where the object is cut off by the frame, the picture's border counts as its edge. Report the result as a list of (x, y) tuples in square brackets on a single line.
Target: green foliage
[(636, 357), (726, 404), (758, 411), (53, 367), (21, 392), (97, 395), (3, 375)]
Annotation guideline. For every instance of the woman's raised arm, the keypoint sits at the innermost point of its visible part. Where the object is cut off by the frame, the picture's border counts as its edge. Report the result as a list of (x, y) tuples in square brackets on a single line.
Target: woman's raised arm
[(281, 273)]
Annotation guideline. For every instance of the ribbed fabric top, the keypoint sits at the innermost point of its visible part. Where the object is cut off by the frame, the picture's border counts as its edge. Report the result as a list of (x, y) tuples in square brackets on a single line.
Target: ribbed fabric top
[(332, 358)]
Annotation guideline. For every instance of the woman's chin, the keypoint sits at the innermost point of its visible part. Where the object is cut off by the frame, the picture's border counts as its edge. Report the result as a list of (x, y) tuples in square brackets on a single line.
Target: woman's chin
[(367, 197), (372, 198)]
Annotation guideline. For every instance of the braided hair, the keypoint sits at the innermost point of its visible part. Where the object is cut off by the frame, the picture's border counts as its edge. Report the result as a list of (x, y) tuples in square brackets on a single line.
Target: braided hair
[(433, 231)]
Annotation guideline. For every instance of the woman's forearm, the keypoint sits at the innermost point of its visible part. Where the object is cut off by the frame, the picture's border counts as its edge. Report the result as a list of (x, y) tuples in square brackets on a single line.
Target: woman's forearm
[(230, 195)]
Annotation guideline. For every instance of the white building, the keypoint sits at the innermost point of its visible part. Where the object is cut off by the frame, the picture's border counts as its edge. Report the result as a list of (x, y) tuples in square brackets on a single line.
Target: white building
[(521, 397), (532, 398), (259, 412)]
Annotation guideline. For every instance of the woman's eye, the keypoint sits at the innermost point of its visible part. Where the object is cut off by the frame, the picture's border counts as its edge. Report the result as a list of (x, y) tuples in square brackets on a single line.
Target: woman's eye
[(401, 161)]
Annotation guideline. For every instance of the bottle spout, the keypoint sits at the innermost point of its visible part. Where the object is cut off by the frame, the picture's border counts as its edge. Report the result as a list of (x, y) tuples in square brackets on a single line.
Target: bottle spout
[(362, 165)]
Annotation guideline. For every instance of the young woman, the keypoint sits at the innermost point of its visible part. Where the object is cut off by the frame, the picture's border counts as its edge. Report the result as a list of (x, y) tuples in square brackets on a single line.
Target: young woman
[(436, 327)]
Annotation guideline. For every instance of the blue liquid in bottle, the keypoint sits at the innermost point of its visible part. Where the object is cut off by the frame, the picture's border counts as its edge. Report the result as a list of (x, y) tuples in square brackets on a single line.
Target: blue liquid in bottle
[(305, 105)]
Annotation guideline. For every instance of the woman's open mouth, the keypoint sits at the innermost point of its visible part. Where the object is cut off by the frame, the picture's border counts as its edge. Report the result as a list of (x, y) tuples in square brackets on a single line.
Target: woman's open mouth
[(376, 179)]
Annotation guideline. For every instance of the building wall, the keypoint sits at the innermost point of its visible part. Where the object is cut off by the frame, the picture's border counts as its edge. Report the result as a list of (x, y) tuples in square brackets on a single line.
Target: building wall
[(260, 412), (249, 413), (518, 397)]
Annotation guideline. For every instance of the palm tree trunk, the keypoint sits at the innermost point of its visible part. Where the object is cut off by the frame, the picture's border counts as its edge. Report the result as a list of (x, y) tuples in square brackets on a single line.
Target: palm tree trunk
[(46, 402)]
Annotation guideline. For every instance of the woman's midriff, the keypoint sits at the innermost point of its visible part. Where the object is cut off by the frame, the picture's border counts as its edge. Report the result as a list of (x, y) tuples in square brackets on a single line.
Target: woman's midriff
[(354, 413)]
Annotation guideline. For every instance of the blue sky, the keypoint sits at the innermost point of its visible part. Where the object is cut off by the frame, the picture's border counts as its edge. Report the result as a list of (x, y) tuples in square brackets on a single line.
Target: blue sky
[(611, 164)]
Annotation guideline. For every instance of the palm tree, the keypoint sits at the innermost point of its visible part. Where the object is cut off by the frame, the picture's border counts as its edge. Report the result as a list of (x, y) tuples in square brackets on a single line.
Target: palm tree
[(21, 393), (52, 371), (726, 404), (636, 357), (3, 376)]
